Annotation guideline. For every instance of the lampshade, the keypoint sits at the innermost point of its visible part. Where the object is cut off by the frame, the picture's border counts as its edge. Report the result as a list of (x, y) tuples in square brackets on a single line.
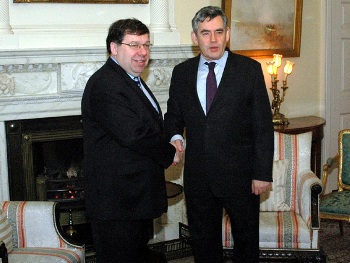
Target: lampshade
[(277, 58), (288, 68), (270, 67)]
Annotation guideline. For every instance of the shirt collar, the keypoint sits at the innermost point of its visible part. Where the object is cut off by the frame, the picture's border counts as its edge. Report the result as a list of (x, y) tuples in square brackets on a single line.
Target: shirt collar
[(131, 76), (221, 61)]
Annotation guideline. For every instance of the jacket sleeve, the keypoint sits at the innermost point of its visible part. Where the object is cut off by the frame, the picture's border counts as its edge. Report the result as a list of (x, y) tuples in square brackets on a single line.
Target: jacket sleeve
[(173, 118), (263, 129), (123, 115)]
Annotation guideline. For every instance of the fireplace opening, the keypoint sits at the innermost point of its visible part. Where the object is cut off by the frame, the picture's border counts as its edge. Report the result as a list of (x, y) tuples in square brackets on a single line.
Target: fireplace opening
[(59, 159), (42, 147), (58, 167), (45, 163)]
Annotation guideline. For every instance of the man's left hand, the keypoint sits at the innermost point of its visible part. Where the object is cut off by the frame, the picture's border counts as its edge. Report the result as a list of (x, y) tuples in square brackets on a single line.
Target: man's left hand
[(259, 187)]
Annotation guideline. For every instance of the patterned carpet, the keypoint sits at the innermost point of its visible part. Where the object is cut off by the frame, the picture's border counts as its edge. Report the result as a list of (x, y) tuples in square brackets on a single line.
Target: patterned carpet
[(335, 246)]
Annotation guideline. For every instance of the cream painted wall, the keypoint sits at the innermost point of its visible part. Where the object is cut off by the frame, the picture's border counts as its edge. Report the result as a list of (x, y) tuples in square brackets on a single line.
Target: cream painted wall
[(184, 12), (51, 25), (40, 26)]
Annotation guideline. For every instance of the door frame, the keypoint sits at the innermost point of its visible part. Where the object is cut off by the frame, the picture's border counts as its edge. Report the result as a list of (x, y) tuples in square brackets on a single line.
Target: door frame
[(332, 78)]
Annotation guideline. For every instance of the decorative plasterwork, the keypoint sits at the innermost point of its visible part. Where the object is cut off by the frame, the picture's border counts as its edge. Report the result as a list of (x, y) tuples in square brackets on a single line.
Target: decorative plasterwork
[(51, 82), (68, 80), (30, 79)]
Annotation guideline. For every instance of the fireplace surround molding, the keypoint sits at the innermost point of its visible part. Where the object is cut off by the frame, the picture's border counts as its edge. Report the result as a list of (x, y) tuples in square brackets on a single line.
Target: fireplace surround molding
[(43, 83)]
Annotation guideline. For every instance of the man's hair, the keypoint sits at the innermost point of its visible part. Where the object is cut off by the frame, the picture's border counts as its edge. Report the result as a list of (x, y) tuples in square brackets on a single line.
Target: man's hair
[(204, 13), (122, 27)]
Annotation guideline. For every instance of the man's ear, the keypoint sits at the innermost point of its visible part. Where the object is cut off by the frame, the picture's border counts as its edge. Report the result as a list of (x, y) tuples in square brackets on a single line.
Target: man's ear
[(114, 48), (194, 38), (228, 34)]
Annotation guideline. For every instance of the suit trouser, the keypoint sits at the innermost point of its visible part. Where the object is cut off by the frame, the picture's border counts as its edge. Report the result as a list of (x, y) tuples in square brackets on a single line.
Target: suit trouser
[(120, 240), (205, 226)]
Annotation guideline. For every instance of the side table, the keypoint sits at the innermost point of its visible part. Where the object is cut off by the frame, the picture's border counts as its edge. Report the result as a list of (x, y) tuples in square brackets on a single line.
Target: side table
[(173, 189), (306, 124)]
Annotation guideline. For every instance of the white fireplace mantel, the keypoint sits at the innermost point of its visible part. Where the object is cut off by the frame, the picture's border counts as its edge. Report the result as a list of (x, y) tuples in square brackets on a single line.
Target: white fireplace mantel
[(49, 83)]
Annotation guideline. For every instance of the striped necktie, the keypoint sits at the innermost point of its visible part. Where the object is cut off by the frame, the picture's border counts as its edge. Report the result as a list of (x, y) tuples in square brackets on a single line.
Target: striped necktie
[(137, 80), (149, 97)]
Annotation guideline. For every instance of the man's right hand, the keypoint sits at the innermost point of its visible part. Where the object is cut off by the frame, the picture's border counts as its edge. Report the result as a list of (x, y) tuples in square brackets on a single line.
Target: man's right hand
[(179, 151)]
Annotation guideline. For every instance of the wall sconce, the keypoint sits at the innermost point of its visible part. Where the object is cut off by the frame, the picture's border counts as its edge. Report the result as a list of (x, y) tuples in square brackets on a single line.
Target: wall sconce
[(272, 69)]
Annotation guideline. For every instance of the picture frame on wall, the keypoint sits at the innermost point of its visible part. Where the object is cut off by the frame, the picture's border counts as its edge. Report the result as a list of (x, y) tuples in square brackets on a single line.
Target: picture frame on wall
[(261, 28), (85, 1)]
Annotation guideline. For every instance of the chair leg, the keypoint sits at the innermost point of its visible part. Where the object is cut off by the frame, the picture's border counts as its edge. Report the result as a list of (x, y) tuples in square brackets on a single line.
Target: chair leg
[(3, 253), (341, 227)]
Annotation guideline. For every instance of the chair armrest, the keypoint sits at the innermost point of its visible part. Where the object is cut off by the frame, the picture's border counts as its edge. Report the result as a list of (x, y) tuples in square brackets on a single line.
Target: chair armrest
[(328, 167), (309, 187), (34, 225)]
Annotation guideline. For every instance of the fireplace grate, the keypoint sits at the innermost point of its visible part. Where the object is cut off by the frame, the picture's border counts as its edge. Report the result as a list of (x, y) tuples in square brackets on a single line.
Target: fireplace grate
[(175, 248)]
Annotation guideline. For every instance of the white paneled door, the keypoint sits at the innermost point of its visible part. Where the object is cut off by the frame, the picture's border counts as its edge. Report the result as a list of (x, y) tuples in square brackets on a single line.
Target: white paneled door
[(337, 75)]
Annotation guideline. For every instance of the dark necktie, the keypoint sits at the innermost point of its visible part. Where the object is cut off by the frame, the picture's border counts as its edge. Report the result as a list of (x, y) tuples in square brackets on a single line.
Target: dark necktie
[(144, 90), (137, 80), (211, 85)]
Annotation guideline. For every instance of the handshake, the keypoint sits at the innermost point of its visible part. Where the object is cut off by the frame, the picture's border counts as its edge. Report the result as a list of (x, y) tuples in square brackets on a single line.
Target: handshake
[(179, 146)]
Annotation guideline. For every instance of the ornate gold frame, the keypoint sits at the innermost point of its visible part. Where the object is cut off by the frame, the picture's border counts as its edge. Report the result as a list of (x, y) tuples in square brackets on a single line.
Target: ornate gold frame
[(85, 1), (293, 52), (342, 155)]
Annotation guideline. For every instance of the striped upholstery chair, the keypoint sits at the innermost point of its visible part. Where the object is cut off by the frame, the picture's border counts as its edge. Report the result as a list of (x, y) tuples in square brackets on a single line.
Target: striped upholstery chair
[(289, 217), (35, 236)]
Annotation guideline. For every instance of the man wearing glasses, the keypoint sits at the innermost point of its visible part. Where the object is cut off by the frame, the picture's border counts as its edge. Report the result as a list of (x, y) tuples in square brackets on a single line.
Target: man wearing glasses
[(125, 150)]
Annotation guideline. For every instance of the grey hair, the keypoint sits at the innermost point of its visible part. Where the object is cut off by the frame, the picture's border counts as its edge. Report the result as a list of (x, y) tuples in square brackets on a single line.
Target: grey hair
[(204, 13)]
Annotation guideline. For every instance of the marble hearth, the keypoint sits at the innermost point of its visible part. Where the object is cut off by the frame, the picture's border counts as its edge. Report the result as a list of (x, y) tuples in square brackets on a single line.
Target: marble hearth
[(49, 83)]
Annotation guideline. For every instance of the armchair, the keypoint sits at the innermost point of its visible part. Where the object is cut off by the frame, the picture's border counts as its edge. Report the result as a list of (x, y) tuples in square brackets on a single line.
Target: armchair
[(289, 212), (31, 233), (336, 205)]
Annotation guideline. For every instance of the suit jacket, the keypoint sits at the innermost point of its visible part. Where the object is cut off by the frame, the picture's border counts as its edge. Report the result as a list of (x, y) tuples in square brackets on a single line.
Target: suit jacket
[(125, 149), (234, 143)]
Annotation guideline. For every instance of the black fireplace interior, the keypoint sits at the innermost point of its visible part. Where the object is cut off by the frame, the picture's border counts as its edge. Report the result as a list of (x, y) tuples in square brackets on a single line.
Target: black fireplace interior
[(42, 147), (45, 158), (58, 159)]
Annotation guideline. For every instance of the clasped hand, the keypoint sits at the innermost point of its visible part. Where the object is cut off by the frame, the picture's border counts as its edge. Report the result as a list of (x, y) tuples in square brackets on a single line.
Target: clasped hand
[(178, 144)]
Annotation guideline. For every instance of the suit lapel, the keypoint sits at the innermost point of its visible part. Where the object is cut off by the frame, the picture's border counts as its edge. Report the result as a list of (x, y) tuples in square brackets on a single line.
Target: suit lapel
[(227, 82), (153, 97), (192, 84), (131, 84), (144, 98)]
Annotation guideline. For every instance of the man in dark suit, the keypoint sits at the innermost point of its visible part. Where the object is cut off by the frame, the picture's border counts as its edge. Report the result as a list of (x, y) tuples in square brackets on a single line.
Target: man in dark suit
[(125, 149), (229, 145)]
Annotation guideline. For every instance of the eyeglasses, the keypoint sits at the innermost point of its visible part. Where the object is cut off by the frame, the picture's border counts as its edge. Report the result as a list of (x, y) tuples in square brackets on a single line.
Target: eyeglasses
[(136, 46)]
